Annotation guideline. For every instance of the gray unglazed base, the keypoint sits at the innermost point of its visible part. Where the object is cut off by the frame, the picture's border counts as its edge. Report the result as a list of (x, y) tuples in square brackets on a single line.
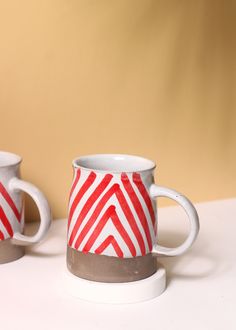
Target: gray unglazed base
[(107, 269), (10, 252)]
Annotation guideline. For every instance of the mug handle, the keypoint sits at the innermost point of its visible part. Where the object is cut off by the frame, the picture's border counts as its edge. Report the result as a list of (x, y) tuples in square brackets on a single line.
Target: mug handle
[(158, 191), (44, 212)]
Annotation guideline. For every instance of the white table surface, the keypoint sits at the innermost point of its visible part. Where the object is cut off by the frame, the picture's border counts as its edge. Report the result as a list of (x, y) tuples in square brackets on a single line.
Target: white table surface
[(201, 292)]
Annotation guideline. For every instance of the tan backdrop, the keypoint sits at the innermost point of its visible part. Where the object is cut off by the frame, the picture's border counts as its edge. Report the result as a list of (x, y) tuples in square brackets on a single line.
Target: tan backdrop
[(148, 77)]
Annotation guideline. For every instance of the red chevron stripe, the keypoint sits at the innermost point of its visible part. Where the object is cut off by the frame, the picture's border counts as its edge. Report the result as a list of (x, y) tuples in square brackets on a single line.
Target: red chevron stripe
[(89, 203), (98, 228), (75, 182), (110, 214), (6, 222), (130, 218), (116, 221), (89, 181), (10, 201), (110, 240), (1, 236), (94, 216), (138, 207), (143, 191)]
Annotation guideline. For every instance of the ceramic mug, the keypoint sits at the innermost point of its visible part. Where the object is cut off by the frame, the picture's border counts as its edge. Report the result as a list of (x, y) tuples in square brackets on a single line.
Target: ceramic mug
[(12, 238), (112, 221)]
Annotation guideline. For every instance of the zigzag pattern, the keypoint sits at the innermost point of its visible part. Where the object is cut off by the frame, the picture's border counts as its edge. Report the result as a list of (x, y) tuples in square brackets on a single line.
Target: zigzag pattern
[(111, 214), (10, 218)]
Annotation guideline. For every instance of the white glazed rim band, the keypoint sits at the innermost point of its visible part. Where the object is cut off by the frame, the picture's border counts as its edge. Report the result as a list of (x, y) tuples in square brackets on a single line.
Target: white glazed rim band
[(9, 159), (114, 163)]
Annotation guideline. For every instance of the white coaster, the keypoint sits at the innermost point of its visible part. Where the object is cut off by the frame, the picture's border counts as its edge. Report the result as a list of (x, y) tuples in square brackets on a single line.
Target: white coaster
[(116, 293)]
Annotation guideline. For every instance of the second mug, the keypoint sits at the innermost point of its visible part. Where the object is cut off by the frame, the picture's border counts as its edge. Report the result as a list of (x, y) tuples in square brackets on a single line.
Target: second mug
[(12, 220)]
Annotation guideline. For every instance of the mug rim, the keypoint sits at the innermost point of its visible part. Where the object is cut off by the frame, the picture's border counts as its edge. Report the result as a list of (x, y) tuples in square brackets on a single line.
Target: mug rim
[(150, 165), (8, 159)]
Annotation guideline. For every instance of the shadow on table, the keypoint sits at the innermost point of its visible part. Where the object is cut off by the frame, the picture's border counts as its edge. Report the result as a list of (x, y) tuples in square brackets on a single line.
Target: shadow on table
[(54, 244), (200, 262)]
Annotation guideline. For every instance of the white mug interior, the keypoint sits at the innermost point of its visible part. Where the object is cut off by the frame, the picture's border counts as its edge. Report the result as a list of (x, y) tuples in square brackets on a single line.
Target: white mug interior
[(114, 163)]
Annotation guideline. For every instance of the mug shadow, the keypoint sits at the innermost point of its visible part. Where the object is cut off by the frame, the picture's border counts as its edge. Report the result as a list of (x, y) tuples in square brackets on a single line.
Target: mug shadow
[(54, 244), (198, 263)]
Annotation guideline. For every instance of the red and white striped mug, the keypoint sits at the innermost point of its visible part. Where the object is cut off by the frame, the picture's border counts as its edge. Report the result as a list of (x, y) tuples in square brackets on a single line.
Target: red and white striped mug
[(12, 238), (112, 221)]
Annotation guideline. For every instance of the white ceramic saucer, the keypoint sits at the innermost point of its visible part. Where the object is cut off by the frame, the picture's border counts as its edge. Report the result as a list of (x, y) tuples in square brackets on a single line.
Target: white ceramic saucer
[(115, 293)]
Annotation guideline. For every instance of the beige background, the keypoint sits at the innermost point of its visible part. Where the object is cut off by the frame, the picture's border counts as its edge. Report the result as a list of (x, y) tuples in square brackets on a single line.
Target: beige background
[(154, 78)]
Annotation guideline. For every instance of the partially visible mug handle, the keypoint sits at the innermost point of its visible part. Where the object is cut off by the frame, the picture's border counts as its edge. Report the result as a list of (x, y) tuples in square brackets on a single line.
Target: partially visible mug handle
[(158, 191), (44, 212)]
